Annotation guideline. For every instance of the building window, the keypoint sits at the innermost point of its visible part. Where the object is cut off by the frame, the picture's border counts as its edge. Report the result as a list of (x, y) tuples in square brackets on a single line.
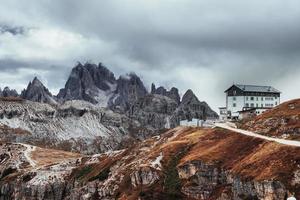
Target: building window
[(256, 98), (276, 103), (234, 92), (257, 105), (234, 98), (247, 98), (269, 98), (269, 105), (262, 98), (252, 98), (247, 105), (262, 105), (234, 105), (252, 105)]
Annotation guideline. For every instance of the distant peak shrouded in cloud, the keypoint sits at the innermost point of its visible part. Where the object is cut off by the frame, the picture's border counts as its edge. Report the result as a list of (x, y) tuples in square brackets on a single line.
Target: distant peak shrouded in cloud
[(202, 45)]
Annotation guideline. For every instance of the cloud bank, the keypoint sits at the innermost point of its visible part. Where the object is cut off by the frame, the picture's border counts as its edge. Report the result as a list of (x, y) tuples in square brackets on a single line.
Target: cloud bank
[(202, 45)]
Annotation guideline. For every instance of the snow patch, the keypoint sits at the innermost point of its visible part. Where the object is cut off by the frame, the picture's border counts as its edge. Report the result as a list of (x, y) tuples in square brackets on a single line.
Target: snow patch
[(156, 163)]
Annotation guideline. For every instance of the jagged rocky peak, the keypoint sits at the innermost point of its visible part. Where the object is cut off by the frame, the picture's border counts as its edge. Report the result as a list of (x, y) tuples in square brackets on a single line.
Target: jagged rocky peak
[(190, 107), (7, 92), (173, 93), (36, 91), (89, 82), (153, 89), (189, 97), (129, 89)]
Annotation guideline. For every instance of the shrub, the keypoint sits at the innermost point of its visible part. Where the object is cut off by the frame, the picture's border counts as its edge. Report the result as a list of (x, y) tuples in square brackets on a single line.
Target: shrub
[(84, 171), (103, 175)]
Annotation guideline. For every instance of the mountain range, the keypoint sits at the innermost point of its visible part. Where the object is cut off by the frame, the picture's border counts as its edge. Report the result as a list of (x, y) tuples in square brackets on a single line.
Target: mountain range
[(109, 138), (95, 111), (98, 85)]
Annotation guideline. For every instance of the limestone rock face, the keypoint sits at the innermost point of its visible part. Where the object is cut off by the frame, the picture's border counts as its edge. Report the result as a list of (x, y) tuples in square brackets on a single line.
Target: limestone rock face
[(154, 111), (173, 93), (207, 177), (144, 176), (190, 107), (89, 82), (129, 89), (73, 126), (37, 92), (7, 92)]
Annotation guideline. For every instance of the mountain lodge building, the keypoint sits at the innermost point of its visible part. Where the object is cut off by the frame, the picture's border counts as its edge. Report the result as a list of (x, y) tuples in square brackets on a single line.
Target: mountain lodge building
[(241, 98)]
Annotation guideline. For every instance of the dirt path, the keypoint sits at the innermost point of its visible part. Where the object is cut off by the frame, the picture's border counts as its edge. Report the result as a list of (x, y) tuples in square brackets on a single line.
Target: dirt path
[(252, 134), (27, 153)]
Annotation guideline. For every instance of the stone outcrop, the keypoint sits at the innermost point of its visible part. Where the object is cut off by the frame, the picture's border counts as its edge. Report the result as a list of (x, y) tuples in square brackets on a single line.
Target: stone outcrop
[(89, 82), (7, 92), (154, 111), (208, 178), (74, 126), (145, 176), (190, 107), (129, 89), (37, 92), (172, 94)]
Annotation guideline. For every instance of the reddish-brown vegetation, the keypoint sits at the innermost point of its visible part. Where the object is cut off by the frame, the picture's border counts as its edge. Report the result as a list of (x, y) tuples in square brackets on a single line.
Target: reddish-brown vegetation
[(44, 157), (282, 121)]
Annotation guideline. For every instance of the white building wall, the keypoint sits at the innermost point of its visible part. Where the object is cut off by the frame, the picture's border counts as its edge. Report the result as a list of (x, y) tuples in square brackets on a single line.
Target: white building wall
[(251, 101), (238, 101), (198, 123)]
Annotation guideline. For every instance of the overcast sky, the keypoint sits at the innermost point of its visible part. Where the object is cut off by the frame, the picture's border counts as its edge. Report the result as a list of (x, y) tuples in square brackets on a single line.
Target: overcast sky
[(202, 45)]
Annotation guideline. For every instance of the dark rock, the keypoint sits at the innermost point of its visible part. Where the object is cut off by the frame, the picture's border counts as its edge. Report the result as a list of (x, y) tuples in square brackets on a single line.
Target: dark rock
[(173, 93), (129, 89), (9, 92), (190, 107), (154, 111), (89, 82), (37, 92)]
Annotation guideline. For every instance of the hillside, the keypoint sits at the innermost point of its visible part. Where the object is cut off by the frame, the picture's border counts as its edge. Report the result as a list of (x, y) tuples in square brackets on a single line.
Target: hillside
[(281, 121), (77, 126), (182, 163)]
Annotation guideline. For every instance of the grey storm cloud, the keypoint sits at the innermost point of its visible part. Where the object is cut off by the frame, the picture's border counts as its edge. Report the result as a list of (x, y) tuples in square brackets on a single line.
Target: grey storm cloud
[(12, 30), (203, 45)]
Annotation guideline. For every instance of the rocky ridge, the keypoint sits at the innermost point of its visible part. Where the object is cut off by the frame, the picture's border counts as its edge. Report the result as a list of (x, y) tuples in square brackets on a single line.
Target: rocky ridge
[(7, 92), (281, 121), (74, 125), (89, 82), (182, 163), (37, 92), (126, 95)]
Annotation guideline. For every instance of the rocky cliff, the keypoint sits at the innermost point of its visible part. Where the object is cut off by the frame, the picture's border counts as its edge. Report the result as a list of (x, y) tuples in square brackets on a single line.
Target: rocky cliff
[(190, 107), (96, 84), (7, 92), (183, 163), (172, 94), (130, 88), (37, 92), (154, 112), (89, 82), (74, 125)]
